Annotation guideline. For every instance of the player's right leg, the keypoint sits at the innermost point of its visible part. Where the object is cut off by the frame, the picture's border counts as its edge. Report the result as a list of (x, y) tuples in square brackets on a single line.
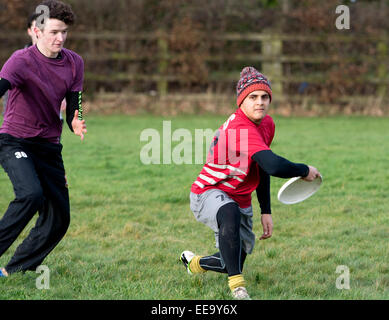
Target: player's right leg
[(186, 258), (20, 168), (207, 263)]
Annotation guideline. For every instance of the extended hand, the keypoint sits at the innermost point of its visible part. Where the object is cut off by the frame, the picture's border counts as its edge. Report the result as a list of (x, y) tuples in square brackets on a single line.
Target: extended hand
[(79, 126), (312, 175), (267, 224)]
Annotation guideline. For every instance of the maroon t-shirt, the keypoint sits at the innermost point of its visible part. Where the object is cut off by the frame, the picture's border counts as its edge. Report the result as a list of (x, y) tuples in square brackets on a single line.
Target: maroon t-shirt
[(38, 86)]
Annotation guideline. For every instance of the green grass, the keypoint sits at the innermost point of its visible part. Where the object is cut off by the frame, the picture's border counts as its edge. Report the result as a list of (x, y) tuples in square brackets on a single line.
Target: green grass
[(131, 221)]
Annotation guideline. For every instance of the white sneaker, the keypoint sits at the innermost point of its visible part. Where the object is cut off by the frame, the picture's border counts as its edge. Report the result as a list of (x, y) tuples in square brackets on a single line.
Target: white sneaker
[(3, 273), (186, 257), (240, 293)]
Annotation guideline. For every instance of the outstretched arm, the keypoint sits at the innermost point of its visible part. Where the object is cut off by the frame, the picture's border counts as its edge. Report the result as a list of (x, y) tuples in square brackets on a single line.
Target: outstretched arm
[(280, 167), (271, 164)]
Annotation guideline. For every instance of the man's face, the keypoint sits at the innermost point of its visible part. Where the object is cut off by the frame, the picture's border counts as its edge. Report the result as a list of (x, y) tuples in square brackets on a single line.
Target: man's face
[(256, 105), (52, 38)]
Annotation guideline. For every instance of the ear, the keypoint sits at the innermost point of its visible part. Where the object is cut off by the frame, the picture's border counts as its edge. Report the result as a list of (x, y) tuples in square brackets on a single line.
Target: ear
[(36, 31)]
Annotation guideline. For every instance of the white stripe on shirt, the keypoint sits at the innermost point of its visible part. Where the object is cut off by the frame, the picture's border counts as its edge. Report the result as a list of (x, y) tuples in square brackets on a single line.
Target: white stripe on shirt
[(208, 179), (226, 166), (199, 184), (221, 175), (228, 185)]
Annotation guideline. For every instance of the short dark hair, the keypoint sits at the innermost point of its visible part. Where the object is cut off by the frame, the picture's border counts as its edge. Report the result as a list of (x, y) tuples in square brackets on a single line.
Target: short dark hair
[(60, 11), (32, 17)]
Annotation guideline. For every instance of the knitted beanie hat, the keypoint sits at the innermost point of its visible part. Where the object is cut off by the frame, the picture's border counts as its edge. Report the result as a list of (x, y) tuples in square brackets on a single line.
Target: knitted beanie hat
[(251, 80)]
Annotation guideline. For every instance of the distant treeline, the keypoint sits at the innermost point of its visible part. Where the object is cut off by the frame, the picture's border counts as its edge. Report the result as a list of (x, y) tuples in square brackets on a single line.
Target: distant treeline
[(179, 46), (210, 16)]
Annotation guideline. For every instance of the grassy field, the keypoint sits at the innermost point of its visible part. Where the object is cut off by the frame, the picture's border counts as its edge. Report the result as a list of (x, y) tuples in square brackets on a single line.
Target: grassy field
[(131, 221)]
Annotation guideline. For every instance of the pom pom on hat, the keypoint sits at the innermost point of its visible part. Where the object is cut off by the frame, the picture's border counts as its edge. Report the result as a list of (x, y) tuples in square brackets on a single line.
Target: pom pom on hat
[(251, 80)]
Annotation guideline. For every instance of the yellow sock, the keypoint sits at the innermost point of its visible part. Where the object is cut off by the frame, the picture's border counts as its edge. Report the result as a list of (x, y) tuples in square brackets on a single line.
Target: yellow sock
[(236, 281), (194, 265)]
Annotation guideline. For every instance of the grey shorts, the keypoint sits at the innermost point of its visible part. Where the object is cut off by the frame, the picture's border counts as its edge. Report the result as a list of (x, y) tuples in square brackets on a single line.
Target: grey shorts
[(205, 207)]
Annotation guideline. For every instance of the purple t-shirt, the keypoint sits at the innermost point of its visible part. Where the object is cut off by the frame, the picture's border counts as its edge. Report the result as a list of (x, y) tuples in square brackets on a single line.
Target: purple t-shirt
[(38, 86)]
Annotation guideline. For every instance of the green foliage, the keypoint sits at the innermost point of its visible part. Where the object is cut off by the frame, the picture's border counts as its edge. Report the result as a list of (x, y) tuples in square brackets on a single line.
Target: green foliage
[(131, 221), (176, 46), (270, 3)]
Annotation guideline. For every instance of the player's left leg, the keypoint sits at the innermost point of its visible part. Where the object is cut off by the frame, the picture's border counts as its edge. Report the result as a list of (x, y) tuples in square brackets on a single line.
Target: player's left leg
[(230, 245), (54, 217)]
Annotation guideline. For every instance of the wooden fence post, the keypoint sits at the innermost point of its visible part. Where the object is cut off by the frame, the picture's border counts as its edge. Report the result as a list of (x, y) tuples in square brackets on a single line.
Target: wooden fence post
[(382, 50), (163, 56), (92, 48), (272, 65)]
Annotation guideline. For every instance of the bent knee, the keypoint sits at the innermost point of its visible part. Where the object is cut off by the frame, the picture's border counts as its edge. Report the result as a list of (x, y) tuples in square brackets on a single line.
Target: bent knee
[(34, 197), (229, 216)]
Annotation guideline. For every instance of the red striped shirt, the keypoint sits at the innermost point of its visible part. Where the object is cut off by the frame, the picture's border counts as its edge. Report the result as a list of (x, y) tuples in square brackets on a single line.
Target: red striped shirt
[(229, 166)]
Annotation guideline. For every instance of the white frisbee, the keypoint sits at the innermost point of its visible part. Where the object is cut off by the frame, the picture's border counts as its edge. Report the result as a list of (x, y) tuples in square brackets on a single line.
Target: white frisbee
[(296, 190)]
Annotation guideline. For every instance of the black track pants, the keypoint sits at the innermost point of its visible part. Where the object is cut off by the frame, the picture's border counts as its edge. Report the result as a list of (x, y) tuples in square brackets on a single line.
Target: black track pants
[(36, 170)]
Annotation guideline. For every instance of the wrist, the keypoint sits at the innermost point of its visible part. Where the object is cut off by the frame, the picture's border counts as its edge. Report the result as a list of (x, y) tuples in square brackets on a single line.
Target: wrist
[(306, 171)]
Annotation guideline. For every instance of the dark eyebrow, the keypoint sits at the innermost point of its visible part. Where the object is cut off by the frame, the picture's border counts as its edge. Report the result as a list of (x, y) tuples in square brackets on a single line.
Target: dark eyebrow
[(59, 30)]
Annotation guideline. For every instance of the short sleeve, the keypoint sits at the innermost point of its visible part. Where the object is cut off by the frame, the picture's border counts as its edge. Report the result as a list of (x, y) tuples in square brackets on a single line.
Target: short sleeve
[(13, 70), (250, 141), (256, 142), (79, 75)]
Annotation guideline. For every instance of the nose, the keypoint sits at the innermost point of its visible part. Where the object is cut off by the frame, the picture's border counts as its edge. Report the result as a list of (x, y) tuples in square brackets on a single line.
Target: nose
[(60, 37)]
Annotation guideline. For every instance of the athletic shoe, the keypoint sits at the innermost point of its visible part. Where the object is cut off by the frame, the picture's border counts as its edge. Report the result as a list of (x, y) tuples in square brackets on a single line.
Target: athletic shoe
[(240, 293), (2, 274), (186, 257)]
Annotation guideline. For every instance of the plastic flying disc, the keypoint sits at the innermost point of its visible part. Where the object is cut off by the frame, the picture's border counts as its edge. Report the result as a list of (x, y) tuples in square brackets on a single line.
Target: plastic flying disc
[(296, 190)]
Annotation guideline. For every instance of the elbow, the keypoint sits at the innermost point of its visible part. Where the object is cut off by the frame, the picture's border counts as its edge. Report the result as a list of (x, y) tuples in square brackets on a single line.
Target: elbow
[(272, 172), (277, 172)]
